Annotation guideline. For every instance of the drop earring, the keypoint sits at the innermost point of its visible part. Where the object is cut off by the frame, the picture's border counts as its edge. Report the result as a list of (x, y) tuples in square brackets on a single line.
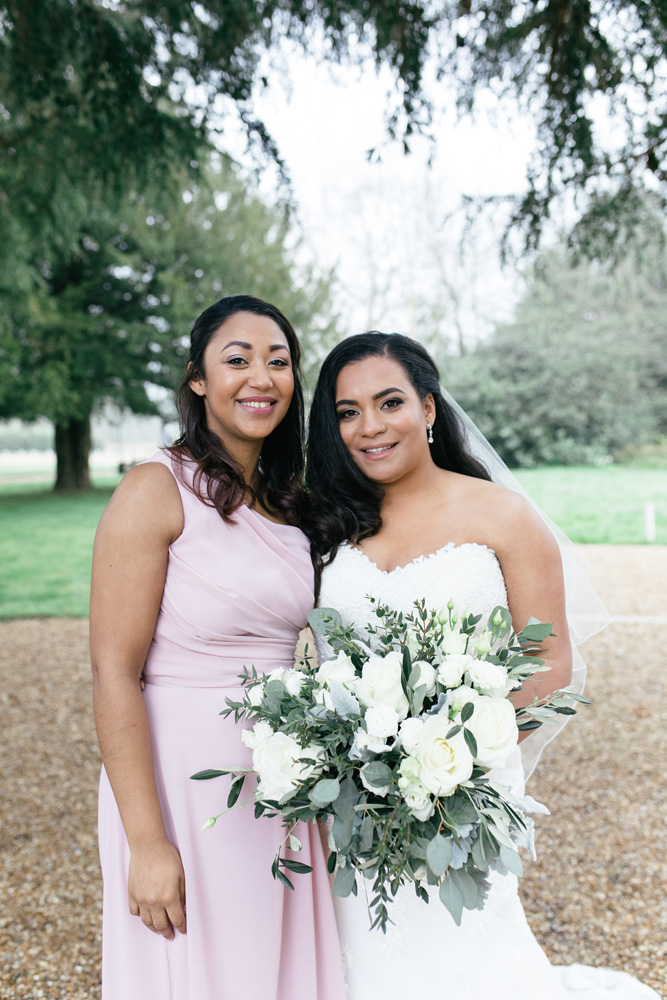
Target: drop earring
[(430, 433)]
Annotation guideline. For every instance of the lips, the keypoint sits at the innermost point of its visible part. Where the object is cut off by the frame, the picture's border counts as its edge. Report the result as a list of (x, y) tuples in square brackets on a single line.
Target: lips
[(378, 450), (257, 404)]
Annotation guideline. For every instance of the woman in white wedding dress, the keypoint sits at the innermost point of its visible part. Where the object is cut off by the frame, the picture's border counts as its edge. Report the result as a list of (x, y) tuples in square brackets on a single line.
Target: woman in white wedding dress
[(402, 510)]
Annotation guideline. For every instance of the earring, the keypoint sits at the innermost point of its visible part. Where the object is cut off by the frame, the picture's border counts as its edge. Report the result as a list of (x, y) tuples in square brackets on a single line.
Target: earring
[(430, 433)]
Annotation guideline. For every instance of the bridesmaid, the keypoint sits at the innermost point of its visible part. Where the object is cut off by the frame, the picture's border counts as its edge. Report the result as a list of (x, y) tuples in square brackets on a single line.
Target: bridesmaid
[(199, 568)]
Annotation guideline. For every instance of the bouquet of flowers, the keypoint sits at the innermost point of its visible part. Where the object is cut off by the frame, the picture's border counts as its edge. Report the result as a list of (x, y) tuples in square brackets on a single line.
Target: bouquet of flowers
[(390, 742)]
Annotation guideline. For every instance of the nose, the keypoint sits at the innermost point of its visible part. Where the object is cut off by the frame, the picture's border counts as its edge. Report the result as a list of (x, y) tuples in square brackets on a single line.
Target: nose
[(371, 424), (259, 376)]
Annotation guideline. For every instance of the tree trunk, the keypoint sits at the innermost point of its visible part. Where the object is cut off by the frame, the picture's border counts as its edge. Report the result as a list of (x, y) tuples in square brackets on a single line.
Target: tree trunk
[(72, 442)]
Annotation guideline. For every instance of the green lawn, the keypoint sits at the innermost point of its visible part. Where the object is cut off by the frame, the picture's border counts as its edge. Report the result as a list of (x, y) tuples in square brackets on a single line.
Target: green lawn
[(46, 540), (600, 505)]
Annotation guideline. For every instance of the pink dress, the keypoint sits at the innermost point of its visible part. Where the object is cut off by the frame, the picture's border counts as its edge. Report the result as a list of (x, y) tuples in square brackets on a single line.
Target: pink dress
[(235, 595)]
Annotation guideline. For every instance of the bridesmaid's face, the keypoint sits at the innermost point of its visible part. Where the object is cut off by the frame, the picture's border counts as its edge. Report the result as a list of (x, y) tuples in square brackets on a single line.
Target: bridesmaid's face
[(382, 420), (248, 381)]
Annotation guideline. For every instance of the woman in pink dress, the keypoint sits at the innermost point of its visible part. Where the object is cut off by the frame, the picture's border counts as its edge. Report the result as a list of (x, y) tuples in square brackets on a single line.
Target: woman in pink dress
[(200, 568)]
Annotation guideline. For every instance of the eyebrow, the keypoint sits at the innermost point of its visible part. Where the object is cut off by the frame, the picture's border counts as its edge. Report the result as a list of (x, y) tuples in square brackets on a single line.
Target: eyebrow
[(378, 395), (249, 347)]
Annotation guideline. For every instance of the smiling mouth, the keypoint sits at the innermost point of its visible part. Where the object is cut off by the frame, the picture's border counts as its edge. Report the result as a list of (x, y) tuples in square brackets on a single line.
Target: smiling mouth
[(257, 404), (382, 449)]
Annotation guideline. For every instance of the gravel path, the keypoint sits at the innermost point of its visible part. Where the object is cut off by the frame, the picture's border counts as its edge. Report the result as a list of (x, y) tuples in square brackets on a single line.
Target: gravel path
[(596, 894)]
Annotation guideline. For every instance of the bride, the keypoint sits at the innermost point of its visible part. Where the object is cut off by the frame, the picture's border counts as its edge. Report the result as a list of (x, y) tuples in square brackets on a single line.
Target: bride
[(403, 510)]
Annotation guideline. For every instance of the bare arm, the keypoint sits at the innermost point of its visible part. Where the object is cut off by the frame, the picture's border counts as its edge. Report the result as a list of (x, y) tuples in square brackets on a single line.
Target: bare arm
[(531, 564), (129, 567)]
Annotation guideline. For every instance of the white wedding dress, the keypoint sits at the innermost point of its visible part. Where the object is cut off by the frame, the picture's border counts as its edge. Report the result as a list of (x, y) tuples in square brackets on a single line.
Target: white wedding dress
[(424, 955)]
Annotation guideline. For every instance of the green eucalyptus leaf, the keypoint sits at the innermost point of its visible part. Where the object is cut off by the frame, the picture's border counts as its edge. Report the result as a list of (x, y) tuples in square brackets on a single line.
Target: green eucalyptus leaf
[(451, 896), (344, 881), (324, 620), (467, 710), (511, 860), (284, 879), (470, 741), (208, 773), (466, 886), (325, 791), (439, 854)]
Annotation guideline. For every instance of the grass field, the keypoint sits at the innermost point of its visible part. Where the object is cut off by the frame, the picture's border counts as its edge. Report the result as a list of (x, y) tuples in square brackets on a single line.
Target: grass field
[(46, 540)]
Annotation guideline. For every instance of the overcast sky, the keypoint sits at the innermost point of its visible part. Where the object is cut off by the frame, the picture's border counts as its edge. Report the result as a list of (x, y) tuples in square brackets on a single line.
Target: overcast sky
[(388, 227)]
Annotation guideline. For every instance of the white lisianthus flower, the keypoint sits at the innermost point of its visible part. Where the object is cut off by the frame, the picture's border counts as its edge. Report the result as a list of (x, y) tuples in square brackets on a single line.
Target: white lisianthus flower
[(294, 681), (281, 766), (256, 737), (419, 802), (381, 683), (322, 697), (256, 694), (381, 721), (453, 667), (444, 763), (277, 674), (426, 676), (408, 733), (481, 643), (459, 697), (363, 745), (411, 640), (490, 678), (493, 724), (340, 669), (409, 770), (453, 642)]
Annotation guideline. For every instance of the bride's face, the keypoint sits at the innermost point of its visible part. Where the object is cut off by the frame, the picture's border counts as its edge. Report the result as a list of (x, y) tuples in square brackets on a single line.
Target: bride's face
[(382, 420)]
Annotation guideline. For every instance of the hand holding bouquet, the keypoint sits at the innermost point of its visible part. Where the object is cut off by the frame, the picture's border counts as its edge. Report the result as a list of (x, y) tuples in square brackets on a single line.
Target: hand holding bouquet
[(394, 738)]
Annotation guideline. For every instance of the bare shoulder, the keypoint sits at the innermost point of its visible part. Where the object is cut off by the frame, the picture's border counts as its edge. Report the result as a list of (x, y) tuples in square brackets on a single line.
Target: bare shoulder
[(146, 500), (509, 520)]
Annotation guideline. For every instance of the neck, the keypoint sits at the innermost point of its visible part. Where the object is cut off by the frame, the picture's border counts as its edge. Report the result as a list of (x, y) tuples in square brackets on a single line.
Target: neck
[(246, 455), (420, 482)]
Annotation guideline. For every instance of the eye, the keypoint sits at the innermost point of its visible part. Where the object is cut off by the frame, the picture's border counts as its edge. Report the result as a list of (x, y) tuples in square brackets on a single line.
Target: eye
[(236, 361), (279, 363), (345, 414), (392, 404)]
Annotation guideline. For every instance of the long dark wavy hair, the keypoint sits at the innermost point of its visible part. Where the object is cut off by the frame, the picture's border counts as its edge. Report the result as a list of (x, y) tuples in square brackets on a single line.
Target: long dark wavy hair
[(344, 504), (218, 480)]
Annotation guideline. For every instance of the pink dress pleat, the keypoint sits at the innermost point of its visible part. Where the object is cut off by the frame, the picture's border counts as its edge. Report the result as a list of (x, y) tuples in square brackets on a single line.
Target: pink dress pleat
[(235, 595)]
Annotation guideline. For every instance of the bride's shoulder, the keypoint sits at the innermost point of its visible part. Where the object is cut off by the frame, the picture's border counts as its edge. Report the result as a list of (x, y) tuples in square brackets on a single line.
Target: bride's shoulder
[(504, 514)]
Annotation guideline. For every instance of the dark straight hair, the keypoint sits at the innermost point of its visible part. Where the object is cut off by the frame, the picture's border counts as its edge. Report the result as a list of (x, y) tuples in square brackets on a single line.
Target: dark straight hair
[(218, 480), (343, 504)]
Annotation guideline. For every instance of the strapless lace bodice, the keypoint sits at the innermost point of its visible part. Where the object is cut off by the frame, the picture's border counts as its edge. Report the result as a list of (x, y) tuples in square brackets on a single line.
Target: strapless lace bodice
[(469, 574)]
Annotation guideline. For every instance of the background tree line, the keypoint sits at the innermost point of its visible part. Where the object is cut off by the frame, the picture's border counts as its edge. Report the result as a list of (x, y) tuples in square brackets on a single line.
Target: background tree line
[(109, 112)]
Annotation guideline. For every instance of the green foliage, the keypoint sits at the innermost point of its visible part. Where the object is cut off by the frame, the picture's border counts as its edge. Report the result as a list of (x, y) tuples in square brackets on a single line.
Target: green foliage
[(105, 314), (580, 373), (80, 78)]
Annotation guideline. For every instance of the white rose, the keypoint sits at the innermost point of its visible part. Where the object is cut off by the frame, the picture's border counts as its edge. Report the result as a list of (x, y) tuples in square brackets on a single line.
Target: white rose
[(426, 676), (419, 802), (408, 733), (490, 678), (453, 642), (459, 697), (341, 669), (409, 770), (381, 683), (381, 721), (277, 674), (280, 765), (294, 681), (493, 724), (453, 667), (444, 763)]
